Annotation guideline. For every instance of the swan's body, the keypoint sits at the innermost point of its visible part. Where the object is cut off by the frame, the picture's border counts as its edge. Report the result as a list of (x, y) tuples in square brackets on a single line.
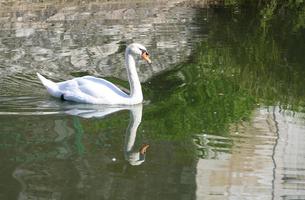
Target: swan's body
[(92, 90)]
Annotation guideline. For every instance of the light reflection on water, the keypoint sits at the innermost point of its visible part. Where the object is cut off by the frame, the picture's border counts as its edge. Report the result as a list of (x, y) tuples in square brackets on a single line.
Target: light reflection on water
[(266, 160), (70, 157), (81, 156)]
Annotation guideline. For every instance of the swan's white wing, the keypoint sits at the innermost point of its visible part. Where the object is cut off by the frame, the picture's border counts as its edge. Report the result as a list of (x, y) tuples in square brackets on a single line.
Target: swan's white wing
[(89, 89), (99, 87)]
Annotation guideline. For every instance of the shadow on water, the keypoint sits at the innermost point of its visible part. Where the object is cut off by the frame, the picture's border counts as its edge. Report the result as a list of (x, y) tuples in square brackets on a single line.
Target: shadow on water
[(223, 112)]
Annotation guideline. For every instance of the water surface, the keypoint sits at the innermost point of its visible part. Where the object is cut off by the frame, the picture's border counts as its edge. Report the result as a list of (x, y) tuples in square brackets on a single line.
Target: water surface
[(223, 113)]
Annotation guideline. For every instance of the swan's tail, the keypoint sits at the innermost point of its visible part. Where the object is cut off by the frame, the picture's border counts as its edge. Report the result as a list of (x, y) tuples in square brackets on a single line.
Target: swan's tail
[(50, 85)]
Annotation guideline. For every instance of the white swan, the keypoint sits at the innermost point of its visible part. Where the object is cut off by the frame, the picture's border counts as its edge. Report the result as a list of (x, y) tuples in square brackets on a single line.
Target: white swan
[(94, 90)]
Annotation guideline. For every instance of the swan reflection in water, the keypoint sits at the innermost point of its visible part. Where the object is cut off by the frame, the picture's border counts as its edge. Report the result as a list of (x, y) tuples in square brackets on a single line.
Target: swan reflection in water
[(132, 155)]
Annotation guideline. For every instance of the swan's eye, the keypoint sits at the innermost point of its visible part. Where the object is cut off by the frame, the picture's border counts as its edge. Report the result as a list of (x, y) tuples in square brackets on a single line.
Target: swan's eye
[(144, 52), (145, 56)]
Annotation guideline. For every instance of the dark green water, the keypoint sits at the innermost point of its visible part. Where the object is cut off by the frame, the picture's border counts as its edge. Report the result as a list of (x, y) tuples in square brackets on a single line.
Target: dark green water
[(223, 111)]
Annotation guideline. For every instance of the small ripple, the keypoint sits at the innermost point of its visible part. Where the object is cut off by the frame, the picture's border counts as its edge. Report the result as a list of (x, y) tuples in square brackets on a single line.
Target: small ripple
[(208, 146), (22, 94), (28, 106), (30, 113)]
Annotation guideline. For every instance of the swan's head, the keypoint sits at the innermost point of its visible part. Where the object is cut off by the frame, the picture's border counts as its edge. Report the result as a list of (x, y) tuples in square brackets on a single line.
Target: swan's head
[(139, 50)]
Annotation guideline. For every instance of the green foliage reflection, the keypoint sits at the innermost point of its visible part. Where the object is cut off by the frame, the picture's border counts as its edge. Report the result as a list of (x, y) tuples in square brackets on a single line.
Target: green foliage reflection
[(250, 57)]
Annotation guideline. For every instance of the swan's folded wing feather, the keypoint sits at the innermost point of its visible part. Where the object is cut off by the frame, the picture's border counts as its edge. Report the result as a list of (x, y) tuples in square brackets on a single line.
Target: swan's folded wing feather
[(103, 82), (91, 90), (77, 97), (99, 88)]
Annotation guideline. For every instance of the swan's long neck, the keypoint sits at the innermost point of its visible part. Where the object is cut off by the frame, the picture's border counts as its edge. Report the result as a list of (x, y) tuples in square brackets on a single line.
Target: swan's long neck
[(134, 82)]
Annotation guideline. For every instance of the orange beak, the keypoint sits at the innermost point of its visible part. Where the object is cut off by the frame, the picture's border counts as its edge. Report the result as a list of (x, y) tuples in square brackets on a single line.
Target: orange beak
[(145, 56)]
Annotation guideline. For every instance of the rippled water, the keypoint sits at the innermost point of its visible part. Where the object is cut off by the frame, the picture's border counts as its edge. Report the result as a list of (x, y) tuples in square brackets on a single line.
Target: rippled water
[(265, 162), (223, 113)]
